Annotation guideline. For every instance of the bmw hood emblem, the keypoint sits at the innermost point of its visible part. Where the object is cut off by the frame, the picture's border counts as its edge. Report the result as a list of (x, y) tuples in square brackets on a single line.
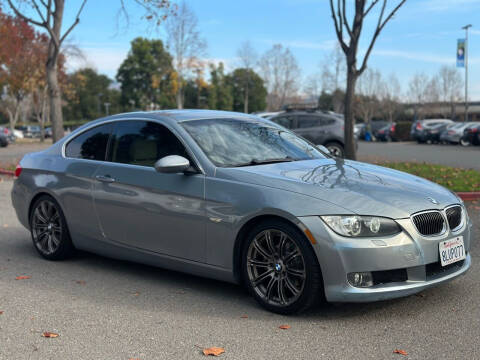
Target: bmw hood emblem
[(432, 200)]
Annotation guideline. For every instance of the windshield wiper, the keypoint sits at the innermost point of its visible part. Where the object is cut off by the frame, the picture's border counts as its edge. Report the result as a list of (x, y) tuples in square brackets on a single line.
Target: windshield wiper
[(266, 161)]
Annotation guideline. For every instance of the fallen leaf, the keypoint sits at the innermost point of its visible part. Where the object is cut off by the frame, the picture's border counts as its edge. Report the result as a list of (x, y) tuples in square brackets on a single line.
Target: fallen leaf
[(48, 334), (284, 327), (244, 316), (1, 312), (136, 294), (400, 352), (24, 277), (5, 225), (80, 282), (213, 351)]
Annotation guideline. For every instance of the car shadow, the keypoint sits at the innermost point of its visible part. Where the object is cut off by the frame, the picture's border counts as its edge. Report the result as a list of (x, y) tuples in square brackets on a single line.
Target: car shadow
[(113, 282)]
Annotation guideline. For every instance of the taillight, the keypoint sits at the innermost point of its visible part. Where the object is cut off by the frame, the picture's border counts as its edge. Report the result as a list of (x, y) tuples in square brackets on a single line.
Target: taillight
[(419, 126), (474, 130), (392, 128), (18, 171)]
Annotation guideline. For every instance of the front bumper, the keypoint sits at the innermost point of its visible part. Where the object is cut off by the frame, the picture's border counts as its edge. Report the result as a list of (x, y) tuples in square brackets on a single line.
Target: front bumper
[(408, 253)]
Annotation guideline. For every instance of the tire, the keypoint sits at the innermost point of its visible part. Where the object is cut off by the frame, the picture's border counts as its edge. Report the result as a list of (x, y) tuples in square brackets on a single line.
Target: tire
[(49, 230), (464, 142), (336, 149), (263, 276)]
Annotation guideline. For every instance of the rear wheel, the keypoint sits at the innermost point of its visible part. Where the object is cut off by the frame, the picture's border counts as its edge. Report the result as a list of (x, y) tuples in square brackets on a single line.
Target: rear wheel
[(280, 269), (49, 229), (336, 149), (464, 142)]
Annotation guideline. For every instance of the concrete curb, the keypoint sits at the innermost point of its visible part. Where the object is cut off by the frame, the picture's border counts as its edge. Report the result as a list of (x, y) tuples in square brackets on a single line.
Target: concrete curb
[(7, 172), (469, 196)]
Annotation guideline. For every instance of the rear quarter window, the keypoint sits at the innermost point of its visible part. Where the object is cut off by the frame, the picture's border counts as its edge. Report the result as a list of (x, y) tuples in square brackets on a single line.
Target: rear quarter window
[(91, 144)]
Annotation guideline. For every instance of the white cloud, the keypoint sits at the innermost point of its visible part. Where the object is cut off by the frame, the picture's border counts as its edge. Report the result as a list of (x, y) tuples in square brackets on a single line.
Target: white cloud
[(104, 59), (303, 44)]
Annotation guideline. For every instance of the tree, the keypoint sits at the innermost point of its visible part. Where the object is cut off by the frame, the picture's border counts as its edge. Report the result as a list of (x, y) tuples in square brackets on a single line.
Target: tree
[(88, 92), (417, 93), (220, 92), (257, 92), (145, 76), (280, 71), (390, 93), (333, 77), (248, 57), (48, 14), (450, 87), (368, 87), (348, 36), (186, 44), (22, 55)]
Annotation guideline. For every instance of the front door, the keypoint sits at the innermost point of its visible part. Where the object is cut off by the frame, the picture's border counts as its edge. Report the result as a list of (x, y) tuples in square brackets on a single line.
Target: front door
[(142, 208)]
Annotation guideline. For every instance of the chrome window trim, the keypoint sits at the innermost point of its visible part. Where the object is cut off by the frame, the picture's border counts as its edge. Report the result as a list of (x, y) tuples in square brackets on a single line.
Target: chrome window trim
[(74, 136), (446, 226)]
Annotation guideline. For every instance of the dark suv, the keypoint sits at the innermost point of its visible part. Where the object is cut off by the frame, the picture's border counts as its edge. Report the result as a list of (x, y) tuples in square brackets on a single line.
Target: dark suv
[(317, 127)]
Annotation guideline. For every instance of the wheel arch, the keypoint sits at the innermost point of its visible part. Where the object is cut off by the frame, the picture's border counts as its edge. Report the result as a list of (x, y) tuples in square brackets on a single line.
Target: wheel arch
[(35, 197), (245, 229)]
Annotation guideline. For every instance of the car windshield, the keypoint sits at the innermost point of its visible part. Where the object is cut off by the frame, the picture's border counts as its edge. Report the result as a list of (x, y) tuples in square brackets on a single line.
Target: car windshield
[(233, 142)]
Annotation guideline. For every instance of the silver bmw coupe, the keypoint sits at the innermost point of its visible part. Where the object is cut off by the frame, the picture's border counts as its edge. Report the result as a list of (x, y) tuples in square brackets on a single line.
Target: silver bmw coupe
[(238, 198)]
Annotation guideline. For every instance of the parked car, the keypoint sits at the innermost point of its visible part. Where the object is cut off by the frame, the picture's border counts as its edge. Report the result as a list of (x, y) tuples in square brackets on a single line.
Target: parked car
[(317, 127), (31, 131), (3, 140), (238, 198), (431, 134), (419, 130), (18, 133), (48, 132), (471, 135), (8, 134), (375, 126), (387, 133)]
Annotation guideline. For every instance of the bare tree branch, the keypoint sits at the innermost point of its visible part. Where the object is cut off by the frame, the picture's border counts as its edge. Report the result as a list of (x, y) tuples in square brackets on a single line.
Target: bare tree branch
[(20, 15), (77, 20), (344, 14), (338, 30), (374, 2), (380, 27)]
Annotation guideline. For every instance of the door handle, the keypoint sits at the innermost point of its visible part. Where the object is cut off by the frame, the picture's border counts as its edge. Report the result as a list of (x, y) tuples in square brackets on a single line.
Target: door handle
[(105, 178)]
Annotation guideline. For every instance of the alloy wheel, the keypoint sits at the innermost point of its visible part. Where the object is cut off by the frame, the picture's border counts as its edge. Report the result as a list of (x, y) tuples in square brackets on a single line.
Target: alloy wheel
[(276, 268), (46, 227)]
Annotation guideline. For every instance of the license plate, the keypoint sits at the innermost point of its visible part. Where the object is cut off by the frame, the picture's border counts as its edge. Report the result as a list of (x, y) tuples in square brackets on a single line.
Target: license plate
[(451, 250)]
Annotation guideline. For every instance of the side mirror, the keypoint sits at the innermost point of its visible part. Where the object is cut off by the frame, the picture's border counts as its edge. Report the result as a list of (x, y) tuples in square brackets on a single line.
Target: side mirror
[(172, 164), (324, 149)]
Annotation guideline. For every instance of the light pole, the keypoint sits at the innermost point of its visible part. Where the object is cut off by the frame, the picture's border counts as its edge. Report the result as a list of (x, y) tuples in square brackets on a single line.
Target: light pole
[(466, 27), (107, 106)]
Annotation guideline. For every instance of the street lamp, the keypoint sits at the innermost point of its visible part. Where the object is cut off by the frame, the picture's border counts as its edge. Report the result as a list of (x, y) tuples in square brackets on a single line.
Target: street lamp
[(466, 27), (107, 106)]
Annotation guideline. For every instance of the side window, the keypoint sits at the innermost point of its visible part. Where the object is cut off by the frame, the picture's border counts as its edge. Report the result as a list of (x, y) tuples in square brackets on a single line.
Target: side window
[(91, 145), (308, 121), (285, 121), (143, 143)]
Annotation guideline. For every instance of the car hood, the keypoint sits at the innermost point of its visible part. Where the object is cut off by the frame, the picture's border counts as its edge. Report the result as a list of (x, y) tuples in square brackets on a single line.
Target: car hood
[(361, 188)]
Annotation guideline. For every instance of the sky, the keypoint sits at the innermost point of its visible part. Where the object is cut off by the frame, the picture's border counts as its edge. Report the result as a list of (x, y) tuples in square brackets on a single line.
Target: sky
[(420, 38)]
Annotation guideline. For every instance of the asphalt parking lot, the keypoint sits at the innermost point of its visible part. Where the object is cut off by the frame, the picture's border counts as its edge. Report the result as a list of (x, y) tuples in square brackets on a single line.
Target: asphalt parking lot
[(108, 309), (449, 155)]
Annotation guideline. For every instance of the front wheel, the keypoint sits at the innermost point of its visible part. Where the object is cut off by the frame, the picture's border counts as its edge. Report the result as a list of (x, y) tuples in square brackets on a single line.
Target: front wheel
[(49, 229), (280, 268)]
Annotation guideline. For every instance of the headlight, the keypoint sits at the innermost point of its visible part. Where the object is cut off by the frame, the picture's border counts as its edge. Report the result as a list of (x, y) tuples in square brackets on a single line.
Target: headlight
[(361, 226)]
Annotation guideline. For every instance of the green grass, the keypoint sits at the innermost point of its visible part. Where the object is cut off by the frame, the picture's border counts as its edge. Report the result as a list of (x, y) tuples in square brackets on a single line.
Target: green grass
[(455, 179)]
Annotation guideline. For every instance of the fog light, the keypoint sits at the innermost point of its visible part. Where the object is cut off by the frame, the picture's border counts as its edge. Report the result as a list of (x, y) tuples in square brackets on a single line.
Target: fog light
[(360, 279)]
